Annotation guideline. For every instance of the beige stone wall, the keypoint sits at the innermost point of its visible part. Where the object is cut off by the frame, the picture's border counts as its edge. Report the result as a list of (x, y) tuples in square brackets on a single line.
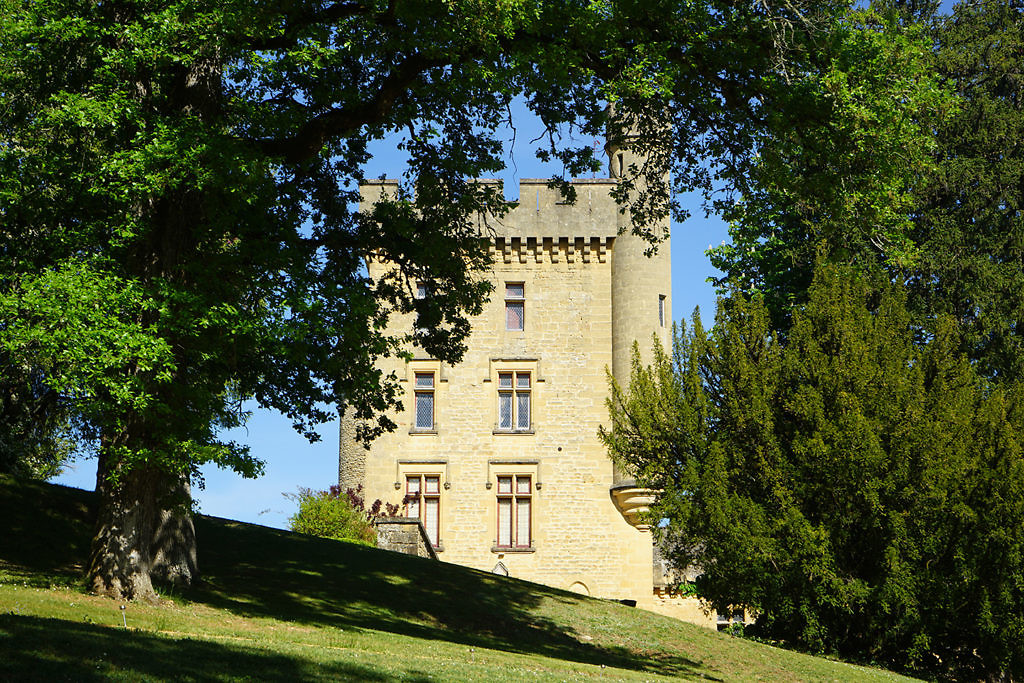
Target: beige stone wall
[(403, 535), (685, 608), (352, 456), (564, 256)]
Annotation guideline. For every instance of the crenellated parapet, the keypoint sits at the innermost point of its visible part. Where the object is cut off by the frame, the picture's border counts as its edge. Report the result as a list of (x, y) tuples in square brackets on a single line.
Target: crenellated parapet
[(541, 212)]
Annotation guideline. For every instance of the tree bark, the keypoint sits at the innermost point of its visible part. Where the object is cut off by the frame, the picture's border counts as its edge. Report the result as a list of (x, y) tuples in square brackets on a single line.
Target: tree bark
[(144, 531), (120, 559), (173, 549)]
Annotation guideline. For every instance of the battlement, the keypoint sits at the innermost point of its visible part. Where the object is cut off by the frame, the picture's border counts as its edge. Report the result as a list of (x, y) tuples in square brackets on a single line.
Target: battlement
[(541, 213)]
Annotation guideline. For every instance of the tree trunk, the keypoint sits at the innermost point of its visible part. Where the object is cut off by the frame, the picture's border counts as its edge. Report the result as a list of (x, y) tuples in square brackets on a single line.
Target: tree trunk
[(120, 559), (144, 531), (173, 549)]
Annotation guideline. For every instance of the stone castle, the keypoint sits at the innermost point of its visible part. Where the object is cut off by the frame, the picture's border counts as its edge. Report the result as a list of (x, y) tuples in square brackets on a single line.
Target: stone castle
[(499, 456)]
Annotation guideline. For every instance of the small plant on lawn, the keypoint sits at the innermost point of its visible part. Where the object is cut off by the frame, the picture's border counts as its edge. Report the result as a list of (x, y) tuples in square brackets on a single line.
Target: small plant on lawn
[(332, 514)]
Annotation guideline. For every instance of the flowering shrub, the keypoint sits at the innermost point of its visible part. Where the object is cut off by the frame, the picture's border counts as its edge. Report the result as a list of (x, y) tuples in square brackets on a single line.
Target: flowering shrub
[(332, 514)]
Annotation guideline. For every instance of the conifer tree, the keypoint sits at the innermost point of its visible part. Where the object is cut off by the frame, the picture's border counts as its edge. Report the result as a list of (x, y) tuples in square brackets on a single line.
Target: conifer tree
[(969, 214), (860, 491)]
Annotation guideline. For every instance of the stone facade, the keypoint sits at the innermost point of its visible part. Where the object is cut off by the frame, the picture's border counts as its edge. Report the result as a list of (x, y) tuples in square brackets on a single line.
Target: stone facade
[(533, 498), (403, 535)]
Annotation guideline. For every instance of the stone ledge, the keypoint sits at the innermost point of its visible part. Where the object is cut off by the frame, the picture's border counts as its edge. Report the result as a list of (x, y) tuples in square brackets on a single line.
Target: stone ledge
[(633, 503), (404, 535), (502, 550), (514, 432)]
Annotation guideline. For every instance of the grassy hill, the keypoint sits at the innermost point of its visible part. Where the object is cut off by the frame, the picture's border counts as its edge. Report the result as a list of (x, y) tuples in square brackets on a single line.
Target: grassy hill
[(280, 606)]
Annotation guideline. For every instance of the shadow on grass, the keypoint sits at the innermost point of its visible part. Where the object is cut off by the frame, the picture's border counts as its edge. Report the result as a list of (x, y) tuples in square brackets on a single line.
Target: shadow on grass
[(47, 528), (262, 572), (37, 649), (257, 571)]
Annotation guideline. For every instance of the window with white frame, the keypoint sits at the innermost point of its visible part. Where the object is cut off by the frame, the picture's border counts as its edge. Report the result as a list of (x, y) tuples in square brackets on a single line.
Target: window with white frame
[(515, 306), (514, 401), (727, 620), (423, 400), (515, 511), (423, 502), (423, 291)]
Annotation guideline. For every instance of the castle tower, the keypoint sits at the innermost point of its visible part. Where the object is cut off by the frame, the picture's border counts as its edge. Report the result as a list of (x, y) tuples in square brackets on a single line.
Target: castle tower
[(499, 456), (641, 283), (641, 305)]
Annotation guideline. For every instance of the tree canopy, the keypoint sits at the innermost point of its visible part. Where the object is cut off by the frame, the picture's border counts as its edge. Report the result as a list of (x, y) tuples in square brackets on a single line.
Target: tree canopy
[(178, 182), (968, 216), (951, 225)]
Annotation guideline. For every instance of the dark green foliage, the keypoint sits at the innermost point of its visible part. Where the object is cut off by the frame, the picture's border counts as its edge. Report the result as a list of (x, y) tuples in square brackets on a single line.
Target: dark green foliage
[(969, 215), (936, 432), (808, 194), (861, 492), (37, 424), (844, 457), (952, 228)]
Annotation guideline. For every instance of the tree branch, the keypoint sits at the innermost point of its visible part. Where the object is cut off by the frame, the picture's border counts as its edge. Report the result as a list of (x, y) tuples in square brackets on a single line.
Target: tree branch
[(289, 38), (306, 143)]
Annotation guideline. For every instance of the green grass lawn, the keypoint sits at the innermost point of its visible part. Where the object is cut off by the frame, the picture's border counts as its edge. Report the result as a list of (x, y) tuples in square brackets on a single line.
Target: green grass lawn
[(280, 606)]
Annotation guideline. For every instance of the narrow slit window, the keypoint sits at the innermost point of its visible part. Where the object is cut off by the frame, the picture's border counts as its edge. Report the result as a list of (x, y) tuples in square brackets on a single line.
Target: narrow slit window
[(515, 306), (661, 310), (424, 400)]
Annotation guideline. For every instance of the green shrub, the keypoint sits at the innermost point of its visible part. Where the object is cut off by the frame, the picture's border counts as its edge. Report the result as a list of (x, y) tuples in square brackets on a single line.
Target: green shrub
[(330, 514)]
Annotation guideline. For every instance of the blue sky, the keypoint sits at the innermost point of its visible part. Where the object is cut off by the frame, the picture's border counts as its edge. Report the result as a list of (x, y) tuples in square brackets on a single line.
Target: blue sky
[(292, 462)]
